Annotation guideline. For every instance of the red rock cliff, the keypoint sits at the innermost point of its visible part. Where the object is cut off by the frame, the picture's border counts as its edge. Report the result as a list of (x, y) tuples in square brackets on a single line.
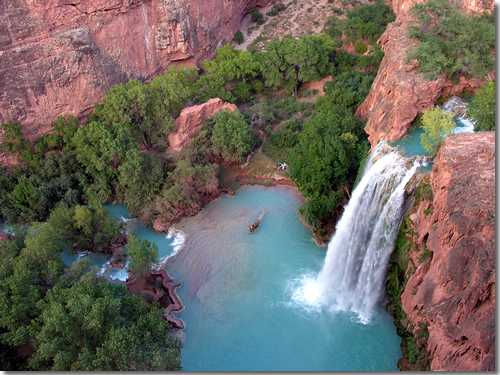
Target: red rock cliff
[(454, 290), (59, 57), (399, 94)]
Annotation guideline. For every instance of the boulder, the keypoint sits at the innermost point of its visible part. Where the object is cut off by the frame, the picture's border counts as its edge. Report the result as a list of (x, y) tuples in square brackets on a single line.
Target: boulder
[(59, 57), (191, 119)]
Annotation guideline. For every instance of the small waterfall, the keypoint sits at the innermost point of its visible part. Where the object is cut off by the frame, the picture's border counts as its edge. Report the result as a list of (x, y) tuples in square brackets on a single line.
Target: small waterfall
[(353, 275)]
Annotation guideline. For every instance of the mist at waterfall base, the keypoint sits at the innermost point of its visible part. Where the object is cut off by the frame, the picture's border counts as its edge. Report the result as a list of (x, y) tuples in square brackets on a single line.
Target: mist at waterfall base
[(246, 308), (353, 276)]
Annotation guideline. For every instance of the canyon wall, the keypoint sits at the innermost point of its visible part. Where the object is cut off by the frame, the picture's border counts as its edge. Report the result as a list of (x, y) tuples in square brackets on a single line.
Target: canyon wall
[(453, 291), (59, 57), (399, 93)]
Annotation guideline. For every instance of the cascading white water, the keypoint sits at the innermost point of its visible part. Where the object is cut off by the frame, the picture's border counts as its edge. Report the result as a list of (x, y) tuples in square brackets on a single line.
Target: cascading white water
[(356, 262)]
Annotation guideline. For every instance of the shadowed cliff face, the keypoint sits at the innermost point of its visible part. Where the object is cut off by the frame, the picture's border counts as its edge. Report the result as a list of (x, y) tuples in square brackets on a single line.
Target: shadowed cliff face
[(454, 290), (399, 93), (59, 57)]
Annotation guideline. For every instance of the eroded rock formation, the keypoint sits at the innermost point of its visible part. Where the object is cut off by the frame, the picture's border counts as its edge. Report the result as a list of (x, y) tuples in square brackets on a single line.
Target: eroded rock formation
[(59, 57), (157, 286), (191, 119), (453, 291), (399, 93)]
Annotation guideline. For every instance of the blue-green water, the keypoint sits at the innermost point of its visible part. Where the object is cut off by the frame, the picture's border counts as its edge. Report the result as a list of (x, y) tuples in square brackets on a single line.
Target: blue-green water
[(242, 311), (410, 144)]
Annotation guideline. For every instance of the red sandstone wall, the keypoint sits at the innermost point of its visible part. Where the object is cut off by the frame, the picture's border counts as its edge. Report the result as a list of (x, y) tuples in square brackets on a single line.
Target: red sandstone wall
[(59, 57), (455, 291)]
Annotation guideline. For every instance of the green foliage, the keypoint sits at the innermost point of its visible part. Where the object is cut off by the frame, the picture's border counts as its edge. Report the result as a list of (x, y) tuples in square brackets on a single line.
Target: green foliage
[(360, 47), (294, 61), (143, 255), (451, 42), (347, 89), (368, 21), (437, 126), (12, 140), (100, 327), (482, 109), (328, 152), (316, 208), (288, 135), (232, 137), (257, 16), (238, 37), (101, 149), (148, 110), (139, 179)]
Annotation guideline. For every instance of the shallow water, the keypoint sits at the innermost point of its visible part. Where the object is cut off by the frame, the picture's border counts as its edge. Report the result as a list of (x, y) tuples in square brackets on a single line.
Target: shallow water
[(245, 308)]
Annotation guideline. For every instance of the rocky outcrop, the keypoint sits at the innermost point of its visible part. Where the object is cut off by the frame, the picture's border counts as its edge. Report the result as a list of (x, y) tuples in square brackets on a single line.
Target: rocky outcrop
[(453, 290), (191, 119), (4, 236), (399, 93), (157, 286), (59, 57), (402, 7)]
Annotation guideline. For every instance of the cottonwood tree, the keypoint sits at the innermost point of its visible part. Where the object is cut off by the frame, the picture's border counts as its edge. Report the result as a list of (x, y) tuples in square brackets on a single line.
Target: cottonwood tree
[(437, 125), (483, 109)]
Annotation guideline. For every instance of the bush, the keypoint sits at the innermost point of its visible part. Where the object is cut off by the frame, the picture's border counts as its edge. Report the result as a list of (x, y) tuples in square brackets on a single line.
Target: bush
[(368, 21), (451, 42), (482, 109), (238, 37), (437, 126), (257, 16), (279, 7), (360, 47), (272, 13)]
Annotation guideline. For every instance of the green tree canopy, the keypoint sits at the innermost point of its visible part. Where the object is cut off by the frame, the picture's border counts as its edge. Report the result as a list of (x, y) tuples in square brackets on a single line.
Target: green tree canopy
[(452, 42), (437, 125), (100, 327), (295, 61), (231, 136), (483, 109), (101, 148), (328, 152), (143, 255)]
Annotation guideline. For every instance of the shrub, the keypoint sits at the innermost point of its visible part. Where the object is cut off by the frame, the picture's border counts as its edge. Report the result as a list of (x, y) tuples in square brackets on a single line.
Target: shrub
[(360, 47), (272, 13), (279, 7), (482, 109), (238, 37), (257, 16), (451, 42), (437, 126)]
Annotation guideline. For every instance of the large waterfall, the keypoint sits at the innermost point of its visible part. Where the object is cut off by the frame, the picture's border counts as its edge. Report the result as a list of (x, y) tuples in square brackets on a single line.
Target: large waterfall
[(353, 275)]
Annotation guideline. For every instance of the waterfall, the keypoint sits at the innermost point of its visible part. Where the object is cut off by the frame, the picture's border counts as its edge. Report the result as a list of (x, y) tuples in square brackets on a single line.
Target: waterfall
[(353, 275)]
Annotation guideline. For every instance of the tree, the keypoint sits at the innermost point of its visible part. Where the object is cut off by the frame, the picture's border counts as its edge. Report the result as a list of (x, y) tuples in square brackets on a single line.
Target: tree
[(143, 255), (482, 109), (101, 148), (12, 140), (238, 37), (437, 125), (139, 181), (231, 136), (295, 61), (328, 152), (100, 327), (452, 42)]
